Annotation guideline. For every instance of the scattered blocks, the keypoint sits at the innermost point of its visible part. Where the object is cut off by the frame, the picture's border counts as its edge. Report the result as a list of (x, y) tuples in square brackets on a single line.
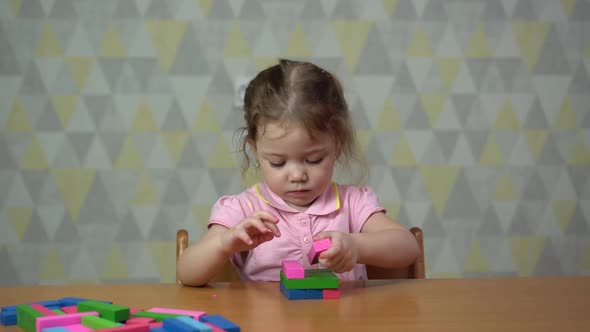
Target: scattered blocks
[(108, 311), (317, 248)]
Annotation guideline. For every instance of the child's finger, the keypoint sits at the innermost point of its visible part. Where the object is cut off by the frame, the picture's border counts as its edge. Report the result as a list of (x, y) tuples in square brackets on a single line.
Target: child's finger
[(273, 228), (245, 237), (323, 235), (265, 216)]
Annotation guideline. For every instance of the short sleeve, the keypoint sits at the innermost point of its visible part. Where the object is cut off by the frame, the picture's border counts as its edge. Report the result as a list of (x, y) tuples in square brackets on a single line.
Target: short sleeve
[(228, 211), (363, 203)]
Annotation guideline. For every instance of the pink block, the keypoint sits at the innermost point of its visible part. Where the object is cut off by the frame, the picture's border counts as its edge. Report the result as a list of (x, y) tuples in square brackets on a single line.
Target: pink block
[(292, 269), (214, 328), (132, 311), (156, 324), (42, 309), (61, 320), (331, 293), (72, 309), (194, 314), (77, 328), (139, 320), (128, 328), (317, 248)]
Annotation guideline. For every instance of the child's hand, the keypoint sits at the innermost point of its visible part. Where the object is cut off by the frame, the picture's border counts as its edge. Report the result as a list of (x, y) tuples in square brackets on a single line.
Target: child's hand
[(256, 229), (342, 255)]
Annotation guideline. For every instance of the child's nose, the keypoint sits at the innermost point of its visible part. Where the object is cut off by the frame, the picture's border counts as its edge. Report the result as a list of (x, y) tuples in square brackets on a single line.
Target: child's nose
[(298, 174)]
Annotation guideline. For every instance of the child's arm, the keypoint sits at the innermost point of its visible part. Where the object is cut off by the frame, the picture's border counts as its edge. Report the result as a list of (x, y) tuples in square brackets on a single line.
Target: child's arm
[(201, 261)]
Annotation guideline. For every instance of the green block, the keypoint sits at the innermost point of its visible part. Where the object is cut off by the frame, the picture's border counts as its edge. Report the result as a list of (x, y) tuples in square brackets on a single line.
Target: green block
[(26, 317), (314, 279), (115, 313), (158, 316), (59, 312), (97, 323)]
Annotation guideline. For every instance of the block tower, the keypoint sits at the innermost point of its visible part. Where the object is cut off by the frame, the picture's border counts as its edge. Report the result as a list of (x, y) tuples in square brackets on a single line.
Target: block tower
[(298, 283)]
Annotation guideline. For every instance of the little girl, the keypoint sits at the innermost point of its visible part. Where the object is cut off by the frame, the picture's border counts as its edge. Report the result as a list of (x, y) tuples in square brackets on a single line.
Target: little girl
[(297, 127)]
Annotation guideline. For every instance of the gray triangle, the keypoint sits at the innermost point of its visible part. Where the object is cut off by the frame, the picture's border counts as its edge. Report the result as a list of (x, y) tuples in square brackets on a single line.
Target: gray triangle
[(433, 226), (221, 83), (35, 232), (161, 231), (490, 225), (525, 219), (524, 10), (111, 68), (313, 10), (127, 83), (34, 181), (372, 61), (579, 176), (435, 11), (359, 116), (549, 263), (144, 143), (81, 142), (128, 231), (433, 154), (174, 119), (463, 104), (190, 59), (580, 83), (98, 208), (158, 10), (507, 141), (506, 68), (550, 154), (476, 140), (536, 117), (63, 9), (8, 274), (67, 232), (581, 11), (190, 157), (552, 59), (577, 225), (403, 178), (142, 69), (345, 9), (251, 10), (535, 190), (493, 11), (175, 193), (158, 82), (67, 252), (478, 68), (418, 119), (403, 80), (493, 82), (126, 9), (461, 203), (222, 178), (8, 62), (7, 161), (405, 10), (32, 83), (64, 82), (221, 10), (373, 153), (447, 140), (31, 9), (49, 120)]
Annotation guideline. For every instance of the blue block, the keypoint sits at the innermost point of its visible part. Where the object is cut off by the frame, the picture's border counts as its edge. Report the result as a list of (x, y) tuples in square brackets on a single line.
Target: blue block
[(315, 294), (55, 329), (220, 322), (8, 317), (178, 325), (195, 323), (157, 329), (293, 294), (51, 304), (70, 301)]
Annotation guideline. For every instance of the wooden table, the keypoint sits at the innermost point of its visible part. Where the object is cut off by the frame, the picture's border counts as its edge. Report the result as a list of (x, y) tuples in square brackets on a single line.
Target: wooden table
[(504, 304)]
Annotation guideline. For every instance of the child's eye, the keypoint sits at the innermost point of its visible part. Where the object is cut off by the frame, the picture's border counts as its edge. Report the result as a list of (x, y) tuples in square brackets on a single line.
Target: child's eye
[(315, 162), (277, 165)]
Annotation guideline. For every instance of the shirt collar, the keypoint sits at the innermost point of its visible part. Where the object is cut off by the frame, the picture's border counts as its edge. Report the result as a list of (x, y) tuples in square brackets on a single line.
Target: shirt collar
[(327, 202)]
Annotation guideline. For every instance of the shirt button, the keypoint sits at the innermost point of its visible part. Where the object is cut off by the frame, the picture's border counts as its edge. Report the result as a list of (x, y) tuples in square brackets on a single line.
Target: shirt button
[(304, 222), (306, 239)]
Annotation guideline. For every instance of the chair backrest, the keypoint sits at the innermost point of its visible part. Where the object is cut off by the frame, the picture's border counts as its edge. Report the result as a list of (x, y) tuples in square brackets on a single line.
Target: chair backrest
[(414, 271)]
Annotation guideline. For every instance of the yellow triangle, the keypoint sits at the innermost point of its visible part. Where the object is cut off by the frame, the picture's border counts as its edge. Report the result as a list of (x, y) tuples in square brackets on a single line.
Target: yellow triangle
[(201, 212), (251, 177), (579, 153), (114, 266), (566, 118), (73, 185), (163, 258), (48, 43), (298, 44), (433, 105), (80, 68), (568, 6), (128, 156), (112, 46), (351, 36), (563, 210), (530, 37), (206, 121), (491, 155), (205, 7), (505, 189), (585, 261), (19, 218), (18, 120), (15, 6), (476, 261), (403, 155), (478, 46), (52, 268), (363, 138), (236, 45), (420, 44), (221, 155), (144, 119), (448, 69), (34, 157), (439, 182), (536, 140), (65, 106), (507, 119), (526, 251), (166, 36), (389, 118), (145, 192), (263, 62), (389, 6), (175, 143)]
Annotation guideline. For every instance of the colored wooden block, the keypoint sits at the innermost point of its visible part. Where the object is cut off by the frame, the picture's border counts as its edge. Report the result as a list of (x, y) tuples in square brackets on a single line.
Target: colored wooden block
[(156, 324), (8, 317), (132, 311), (73, 301), (317, 248), (128, 328), (59, 312), (292, 269), (314, 279), (108, 311), (78, 328), (293, 294), (26, 317), (192, 313), (214, 328), (72, 309), (178, 325), (42, 309), (55, 329), (62, 320), (158, 329), (316, 294), (198, 325), (97, 323), (139, 320), (331, 293), (221, 322), (158, 316)]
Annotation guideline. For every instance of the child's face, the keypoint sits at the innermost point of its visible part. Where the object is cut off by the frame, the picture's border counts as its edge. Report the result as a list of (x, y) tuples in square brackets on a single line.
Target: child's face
[(295, 166)]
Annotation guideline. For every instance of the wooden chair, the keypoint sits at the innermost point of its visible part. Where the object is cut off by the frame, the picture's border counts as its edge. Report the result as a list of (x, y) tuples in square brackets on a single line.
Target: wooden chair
[(414, 271)]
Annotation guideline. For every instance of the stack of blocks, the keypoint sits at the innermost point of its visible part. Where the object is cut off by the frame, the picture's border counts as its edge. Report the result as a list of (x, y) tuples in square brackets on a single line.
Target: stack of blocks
[(298, 283), (72, 314)]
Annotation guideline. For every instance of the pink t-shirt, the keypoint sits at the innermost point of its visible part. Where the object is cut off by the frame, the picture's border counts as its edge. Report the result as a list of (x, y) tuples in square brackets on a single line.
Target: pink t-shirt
[(340, 208)]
